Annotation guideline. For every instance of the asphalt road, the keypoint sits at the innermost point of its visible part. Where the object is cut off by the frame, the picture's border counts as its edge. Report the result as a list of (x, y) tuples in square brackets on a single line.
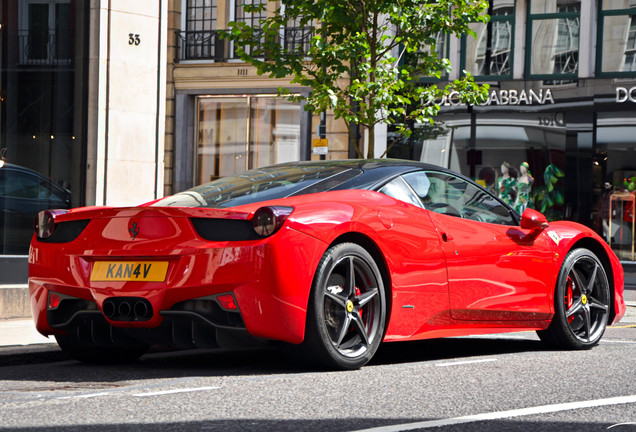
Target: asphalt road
[(495, 383)]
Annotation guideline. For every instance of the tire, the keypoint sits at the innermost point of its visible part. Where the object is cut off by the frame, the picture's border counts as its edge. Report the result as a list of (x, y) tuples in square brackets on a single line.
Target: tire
[(581, 303), (346, 314), (99, 354)]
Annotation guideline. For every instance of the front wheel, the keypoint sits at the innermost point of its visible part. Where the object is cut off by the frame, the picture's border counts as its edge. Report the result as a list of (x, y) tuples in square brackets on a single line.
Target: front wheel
[(347, 309), (581, 303)]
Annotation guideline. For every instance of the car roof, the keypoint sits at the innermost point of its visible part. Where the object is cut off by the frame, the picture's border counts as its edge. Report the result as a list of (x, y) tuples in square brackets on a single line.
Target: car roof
[(369, 164), (374, 172), (10, 166)]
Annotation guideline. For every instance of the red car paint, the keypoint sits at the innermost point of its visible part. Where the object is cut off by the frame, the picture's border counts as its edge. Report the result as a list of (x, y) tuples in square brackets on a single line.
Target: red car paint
[(447, 276)]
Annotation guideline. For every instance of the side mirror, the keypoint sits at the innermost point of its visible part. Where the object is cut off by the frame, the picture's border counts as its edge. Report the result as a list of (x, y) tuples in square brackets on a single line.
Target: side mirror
[(533, 220)]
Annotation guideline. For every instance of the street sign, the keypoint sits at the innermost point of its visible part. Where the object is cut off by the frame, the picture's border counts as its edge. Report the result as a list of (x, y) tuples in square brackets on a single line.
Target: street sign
[(320, 146)]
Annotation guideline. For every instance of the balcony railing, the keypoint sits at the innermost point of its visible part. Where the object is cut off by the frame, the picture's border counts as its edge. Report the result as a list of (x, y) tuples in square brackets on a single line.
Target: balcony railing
[(50, 48), (208, 45)]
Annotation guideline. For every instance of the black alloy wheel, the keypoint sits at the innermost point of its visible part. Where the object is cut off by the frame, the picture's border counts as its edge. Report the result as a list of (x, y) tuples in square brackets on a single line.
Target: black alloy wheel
[(347, 309), (582, 303)]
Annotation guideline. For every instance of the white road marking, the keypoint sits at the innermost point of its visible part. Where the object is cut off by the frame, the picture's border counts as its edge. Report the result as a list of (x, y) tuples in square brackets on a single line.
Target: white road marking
[(545, 409), (458, 363), (120, 392), (185, 390), (622, 424), (86, 396)]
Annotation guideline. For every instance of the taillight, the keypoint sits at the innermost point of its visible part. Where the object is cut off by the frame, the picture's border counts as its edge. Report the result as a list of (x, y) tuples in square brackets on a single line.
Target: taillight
[(227, 302), (267, 220), (54, 300), (45, 222)]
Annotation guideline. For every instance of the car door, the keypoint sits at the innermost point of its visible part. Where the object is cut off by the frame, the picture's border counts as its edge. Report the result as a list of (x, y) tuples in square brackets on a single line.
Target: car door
[(496, 271)]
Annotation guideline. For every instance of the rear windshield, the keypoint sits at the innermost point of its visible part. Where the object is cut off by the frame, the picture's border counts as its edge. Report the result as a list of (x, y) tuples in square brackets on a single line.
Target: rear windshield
[(262, 185)]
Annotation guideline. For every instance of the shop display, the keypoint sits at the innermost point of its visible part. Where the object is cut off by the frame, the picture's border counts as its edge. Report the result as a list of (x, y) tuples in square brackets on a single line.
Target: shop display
[(524, 186), (622, 224), (506, 185)]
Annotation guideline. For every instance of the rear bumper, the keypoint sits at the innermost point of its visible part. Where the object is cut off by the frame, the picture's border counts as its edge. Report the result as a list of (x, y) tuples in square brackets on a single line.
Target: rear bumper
[(270, 280), (198, 323)]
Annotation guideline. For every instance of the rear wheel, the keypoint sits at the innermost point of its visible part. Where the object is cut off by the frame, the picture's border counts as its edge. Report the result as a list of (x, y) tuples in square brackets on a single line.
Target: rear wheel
[(99, 354), (581, 302), (347, 309)]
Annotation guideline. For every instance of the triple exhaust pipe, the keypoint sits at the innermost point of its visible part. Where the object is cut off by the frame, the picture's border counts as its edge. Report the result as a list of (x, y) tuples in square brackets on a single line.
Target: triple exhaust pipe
[(127, 309)]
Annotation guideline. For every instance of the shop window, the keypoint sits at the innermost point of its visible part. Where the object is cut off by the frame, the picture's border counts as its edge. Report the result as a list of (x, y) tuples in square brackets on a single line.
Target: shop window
[(490, 54), (616, 45), (243, 132), (614, 180), (553, 40), (510, 154)]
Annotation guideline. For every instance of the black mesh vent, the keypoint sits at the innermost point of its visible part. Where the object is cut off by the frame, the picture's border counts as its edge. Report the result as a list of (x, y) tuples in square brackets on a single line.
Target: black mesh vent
[(66, 231), (224, 229)]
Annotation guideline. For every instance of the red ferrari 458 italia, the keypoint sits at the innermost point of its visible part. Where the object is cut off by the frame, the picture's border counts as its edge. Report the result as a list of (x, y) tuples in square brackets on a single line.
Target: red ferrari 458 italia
[(328, 258)]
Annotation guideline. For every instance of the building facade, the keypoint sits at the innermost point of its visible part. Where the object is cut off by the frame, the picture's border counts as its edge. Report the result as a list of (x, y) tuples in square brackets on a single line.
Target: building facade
[(562, 103), (115, 102), (222, 118), (82, 111)]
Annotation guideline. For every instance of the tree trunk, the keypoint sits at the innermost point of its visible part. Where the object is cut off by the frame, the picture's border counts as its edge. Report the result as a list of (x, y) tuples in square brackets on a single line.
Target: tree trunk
[(371, 141)]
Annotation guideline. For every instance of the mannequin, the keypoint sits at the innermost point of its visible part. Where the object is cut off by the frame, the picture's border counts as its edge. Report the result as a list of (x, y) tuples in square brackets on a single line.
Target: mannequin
[(506, 185), (524, 185)]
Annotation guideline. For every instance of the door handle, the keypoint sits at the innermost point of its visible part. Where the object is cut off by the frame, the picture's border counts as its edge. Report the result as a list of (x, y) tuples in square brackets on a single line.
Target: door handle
[(447, 237)]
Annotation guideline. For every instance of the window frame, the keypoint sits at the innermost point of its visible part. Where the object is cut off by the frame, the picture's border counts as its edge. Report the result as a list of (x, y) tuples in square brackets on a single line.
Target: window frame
[(529, 48), (52, 37), (599, 40), (511, 59), (213, 20)]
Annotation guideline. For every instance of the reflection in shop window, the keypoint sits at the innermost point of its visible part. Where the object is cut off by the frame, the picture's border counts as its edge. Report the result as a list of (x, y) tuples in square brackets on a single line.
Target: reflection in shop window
[(46, 33), (554, 39), (616, 53), (614, 180), (508, 149), (243, 132), (490, 54), (630, 49)]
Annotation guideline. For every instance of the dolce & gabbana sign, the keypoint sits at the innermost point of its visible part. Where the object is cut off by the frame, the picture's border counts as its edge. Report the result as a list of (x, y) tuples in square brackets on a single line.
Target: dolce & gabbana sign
[(508, 97), (624, 94)]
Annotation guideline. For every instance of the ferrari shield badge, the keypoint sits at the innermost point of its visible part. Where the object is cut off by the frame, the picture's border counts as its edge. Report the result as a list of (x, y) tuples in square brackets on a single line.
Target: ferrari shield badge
[(555, 237)]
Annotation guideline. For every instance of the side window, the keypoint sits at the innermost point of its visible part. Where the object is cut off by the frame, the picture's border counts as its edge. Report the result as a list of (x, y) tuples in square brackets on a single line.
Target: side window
[(398, 189), (447, 194)]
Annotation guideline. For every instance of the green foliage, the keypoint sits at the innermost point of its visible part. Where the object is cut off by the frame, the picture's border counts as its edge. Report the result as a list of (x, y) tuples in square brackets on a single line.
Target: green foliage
[(355, 64), (549, 197)]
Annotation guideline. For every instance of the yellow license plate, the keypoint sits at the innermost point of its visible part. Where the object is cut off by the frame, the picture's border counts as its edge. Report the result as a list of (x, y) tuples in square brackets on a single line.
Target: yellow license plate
[(143, 271)]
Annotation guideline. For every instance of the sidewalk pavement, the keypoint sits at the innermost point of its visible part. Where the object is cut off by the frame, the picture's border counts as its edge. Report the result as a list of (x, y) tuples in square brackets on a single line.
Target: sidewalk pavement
[(16, 332)]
